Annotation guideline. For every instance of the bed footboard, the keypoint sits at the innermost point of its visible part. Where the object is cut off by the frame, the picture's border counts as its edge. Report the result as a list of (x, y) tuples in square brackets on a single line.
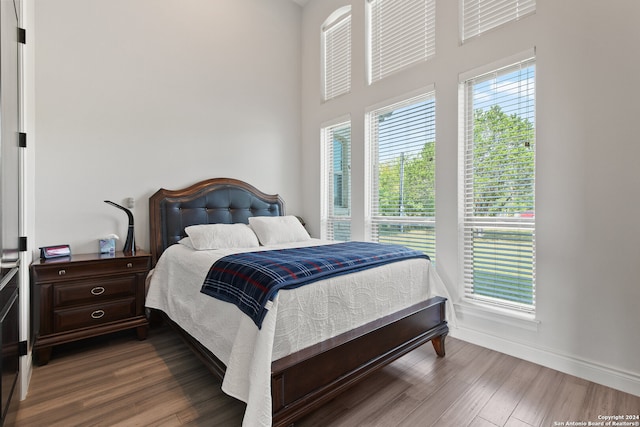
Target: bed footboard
[(305, 380), (311, 377)]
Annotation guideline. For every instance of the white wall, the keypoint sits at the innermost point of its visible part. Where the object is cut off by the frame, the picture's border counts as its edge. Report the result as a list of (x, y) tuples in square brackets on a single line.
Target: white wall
[(588, 242), (132, 96)]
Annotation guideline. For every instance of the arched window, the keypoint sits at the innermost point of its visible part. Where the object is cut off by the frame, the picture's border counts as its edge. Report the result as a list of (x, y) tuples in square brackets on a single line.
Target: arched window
[(336, 53)]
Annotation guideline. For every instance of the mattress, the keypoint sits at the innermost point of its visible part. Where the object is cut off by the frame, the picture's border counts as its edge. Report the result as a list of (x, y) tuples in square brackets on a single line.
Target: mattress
[(296, 319)]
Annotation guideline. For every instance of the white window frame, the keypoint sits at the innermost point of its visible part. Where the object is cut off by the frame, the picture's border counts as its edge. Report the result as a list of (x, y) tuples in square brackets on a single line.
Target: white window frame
[(329, 218), (480, 16), (372, 217), (466, 219), (399, 35)]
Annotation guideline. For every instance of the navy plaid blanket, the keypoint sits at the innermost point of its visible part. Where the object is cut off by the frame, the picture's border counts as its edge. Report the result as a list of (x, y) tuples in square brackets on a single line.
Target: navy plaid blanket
[(250, 279)]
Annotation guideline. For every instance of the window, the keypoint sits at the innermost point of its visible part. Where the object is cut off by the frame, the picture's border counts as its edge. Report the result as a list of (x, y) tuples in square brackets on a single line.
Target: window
[(497, 186), (336, 169), (401, 173), (336, 49), (401, 33), (479, 16)]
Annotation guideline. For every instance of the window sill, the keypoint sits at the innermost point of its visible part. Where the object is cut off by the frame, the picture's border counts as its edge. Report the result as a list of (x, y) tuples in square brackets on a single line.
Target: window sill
[(470, 309)]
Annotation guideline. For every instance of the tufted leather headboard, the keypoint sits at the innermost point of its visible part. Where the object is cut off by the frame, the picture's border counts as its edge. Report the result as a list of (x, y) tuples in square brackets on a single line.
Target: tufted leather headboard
[(214, 201)]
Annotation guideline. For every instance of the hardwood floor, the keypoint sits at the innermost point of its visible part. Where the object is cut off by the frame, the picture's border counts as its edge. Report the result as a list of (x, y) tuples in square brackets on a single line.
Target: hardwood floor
[(119, 381)]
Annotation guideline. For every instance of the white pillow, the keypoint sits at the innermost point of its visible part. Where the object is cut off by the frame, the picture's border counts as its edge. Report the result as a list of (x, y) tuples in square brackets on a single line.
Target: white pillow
[(218, 236), (186, 241), (272, 230)]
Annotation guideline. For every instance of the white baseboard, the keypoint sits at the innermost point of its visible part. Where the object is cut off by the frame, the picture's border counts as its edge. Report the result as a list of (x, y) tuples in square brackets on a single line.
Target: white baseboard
[(628, 382)]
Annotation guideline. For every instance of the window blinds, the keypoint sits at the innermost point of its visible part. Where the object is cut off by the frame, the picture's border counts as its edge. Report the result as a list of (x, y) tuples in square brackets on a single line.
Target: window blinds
[(336, 167), (401, 33), (337, 56), (402, 173), (479, 16), (499, 187)]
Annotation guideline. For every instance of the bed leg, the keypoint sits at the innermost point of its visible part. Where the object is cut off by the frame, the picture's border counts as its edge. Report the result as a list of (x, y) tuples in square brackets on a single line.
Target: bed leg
[(438, 344), (142, 332), (155, 318)]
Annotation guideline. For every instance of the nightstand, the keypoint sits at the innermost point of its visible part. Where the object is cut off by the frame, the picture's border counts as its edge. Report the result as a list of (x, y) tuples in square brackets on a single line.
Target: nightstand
[(87, 295)]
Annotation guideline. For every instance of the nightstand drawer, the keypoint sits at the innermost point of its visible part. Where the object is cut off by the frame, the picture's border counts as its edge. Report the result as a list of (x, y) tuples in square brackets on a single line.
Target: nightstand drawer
[(106, 266), (81, 292), (92, 315)]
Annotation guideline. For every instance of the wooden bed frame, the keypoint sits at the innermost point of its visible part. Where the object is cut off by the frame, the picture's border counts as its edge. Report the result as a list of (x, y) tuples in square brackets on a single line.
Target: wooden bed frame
[(303, 381)]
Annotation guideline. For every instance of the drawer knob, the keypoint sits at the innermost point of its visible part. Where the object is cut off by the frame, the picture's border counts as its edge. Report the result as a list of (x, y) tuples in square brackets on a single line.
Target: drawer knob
[(97, 314), (98, 290), (62, 272), (129, 265)]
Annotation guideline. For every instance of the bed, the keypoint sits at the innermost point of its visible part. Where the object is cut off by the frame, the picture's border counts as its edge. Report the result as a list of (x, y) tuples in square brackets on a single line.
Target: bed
[(304, 373)]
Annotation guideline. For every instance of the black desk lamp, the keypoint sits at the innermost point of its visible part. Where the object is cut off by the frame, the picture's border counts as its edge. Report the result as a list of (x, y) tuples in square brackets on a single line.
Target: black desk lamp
[(129, 244)]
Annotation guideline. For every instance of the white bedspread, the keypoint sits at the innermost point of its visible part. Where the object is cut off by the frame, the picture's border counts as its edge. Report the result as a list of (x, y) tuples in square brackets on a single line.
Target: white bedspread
[(296, 319)]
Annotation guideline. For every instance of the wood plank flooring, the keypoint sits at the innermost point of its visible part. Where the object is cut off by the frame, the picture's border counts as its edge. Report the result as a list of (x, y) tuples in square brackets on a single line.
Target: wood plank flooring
[(119, 381)]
